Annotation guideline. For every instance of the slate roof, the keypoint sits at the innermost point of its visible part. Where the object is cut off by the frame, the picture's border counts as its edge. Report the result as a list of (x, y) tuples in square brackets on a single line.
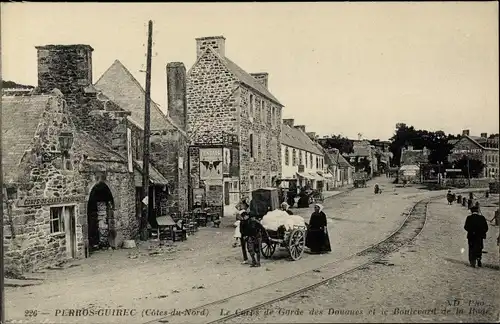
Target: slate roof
[(293, 137), (154, 175), (336, 158), (413, 157), (360, 150), (121, 87), (21, 116), (94, 149), (248, 80)]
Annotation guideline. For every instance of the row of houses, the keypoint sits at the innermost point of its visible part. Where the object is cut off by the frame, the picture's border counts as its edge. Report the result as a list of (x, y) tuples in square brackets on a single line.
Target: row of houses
[(72, 150), (481, 148)]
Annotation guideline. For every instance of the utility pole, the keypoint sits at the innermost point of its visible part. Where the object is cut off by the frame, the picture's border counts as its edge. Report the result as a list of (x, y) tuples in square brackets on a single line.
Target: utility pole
[(145, 162), (2, 260), (468, 170)]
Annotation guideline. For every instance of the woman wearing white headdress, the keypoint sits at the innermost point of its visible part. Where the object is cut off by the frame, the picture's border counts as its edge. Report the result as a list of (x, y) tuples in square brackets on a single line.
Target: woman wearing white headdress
[(285, 207), (317, 239)]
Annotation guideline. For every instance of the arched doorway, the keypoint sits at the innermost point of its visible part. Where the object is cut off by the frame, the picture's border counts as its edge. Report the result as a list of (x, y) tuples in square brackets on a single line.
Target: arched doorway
[(100, 217)]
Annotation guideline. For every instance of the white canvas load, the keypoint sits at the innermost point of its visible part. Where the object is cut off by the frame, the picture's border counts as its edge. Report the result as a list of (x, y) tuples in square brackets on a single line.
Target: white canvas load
[(276, 218)]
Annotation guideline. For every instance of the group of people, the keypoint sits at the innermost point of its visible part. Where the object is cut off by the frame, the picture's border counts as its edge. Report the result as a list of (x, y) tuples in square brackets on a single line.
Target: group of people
[(476, 227), (250, 232)]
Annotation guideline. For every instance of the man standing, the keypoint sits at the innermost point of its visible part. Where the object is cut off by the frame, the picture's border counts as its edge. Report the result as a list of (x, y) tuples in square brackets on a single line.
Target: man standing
[(254, 232), (476, 227)]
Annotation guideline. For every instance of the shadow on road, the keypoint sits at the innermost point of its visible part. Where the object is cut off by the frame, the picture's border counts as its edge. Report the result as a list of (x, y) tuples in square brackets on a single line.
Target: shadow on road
[(350, 220), (485, 265)]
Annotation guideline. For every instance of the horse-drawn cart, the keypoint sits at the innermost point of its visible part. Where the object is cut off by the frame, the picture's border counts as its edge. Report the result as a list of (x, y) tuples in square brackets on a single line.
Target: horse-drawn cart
[(293, 240), (360, 179)]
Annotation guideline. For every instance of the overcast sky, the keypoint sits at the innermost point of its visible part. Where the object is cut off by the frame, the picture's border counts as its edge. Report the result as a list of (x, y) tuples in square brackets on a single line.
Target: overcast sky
[(342, 68)]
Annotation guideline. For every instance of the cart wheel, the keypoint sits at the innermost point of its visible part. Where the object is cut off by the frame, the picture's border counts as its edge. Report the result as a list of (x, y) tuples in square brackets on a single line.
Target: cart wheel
[(296, 244), (268, 249)]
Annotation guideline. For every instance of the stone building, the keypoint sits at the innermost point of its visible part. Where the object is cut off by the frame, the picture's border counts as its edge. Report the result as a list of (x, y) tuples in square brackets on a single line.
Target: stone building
[(70, 176), (168, 152), (479, 148), (234, 123)]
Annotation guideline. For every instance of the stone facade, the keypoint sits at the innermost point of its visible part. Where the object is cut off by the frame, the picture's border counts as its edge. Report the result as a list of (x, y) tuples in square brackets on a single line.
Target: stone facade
[(50, 181), (474, 150), (223, 100), (168, 137), (52, 192)]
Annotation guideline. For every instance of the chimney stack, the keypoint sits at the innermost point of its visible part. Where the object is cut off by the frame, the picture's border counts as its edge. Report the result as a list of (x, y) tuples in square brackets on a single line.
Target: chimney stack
[(262, 78), (176, 93), (484, 135), (65, 67), (301, 127), (289, 122), (217, 43), (465, 132)]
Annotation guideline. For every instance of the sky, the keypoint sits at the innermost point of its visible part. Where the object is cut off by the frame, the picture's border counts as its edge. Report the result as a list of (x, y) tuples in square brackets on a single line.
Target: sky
[(339, 68)]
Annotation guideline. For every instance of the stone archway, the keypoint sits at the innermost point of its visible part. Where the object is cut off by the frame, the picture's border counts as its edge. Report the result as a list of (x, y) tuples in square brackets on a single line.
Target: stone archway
[(100, 217)]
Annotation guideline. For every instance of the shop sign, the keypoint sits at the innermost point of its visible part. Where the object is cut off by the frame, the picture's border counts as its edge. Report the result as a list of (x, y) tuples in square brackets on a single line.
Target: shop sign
[(27, 202)]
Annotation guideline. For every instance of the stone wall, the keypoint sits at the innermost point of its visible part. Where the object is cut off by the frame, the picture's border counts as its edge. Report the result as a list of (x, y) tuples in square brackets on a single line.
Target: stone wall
[(166, 149), (211, 102), (65, 67), (267, 160), (29, 243)]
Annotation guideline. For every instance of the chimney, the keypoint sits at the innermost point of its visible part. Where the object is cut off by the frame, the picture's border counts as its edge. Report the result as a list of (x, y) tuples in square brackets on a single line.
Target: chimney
[(65, 67), (465, 132), (217, 43), (176, 93), (288, 122), (484, 135), (301, 127), (312, 135), (262, 78)]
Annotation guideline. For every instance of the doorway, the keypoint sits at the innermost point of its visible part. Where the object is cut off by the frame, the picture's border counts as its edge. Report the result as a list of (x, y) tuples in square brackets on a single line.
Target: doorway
[(100, 217)]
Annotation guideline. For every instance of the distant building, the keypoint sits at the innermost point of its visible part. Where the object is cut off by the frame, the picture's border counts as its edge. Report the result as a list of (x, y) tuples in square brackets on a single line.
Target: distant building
[(411, 162), (234, 123), (302, 159), (479, 148)]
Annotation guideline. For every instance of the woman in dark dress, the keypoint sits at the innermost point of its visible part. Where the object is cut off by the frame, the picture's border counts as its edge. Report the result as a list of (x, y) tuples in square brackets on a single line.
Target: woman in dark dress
[(317, 239)]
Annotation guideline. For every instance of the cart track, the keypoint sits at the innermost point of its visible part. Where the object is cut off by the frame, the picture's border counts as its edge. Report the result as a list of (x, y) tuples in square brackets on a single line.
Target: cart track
[(411, 227)]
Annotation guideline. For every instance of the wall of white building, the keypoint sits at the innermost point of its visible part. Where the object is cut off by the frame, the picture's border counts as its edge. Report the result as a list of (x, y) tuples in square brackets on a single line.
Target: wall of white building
[(312, 162)]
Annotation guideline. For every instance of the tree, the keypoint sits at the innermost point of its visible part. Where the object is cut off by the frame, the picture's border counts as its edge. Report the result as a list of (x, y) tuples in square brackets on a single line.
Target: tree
[(343, 144), (474, 166), (436, 142)]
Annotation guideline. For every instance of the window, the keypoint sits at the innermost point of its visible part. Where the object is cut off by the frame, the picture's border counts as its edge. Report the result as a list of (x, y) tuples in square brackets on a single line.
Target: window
[(264, 183), (263, 147), (287, 156), (273, 116), (137, 146), (57, 215), (251, 146), (301, 158), (264, 112), (294, 158), (252, 104)]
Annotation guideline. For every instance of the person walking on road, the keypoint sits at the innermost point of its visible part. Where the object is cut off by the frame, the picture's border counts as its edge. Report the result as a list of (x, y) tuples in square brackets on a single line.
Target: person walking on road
[(476, 227), (317, 239), (254, 232), (450, 197), (243, 223)]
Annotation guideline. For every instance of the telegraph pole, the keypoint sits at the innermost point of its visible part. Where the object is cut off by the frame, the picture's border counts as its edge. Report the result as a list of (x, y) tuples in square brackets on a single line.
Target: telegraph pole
[(2, 260), (145, 162)]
